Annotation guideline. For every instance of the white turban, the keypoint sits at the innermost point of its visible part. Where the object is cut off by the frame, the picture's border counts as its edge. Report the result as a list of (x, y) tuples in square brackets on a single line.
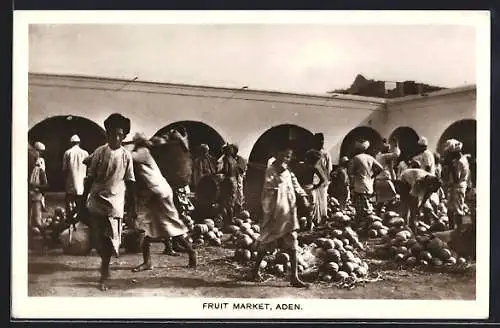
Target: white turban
[(39, 146), (363, 145), (423, 141), (452, 145)]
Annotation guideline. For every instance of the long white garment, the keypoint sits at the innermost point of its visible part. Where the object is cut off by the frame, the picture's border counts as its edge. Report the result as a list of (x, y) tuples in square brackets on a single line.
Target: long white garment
[(75, 169)]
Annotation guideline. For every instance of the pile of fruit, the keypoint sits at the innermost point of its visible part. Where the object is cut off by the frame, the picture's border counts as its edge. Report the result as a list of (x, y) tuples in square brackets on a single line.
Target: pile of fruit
[(424, 251), (243, 236), (337, 261), (206, 233)]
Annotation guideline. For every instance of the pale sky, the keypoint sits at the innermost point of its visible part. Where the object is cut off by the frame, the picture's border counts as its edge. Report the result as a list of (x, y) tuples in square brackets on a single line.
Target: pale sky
[(293, 58)]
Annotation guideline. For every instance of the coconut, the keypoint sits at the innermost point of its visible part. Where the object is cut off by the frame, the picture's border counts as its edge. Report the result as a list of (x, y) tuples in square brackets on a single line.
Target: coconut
[(396, 221), (349, 248), (426, 256), (246, 241), (341, 275), (232, 229), (331, 267), (209, 223), (244, 215), (328, 244), (444, 254), (412, 260), (326, 278), (282, 258), (451, 261), (338, 243)]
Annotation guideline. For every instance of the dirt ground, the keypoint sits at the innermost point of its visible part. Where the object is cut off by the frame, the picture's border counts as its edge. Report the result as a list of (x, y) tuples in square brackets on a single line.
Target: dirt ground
[(55, 274)]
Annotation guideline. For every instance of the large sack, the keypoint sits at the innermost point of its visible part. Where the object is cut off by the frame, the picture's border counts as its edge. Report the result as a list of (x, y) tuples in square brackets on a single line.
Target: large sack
[(175, 163), (76, 240)]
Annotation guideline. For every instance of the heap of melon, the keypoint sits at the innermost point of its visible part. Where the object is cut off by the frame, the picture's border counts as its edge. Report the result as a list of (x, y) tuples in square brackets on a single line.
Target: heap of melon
[(339, 261), (427, 252), (206, 232)]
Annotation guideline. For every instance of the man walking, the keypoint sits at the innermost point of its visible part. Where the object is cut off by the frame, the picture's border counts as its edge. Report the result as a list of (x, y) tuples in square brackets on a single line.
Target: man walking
[(75, 171)]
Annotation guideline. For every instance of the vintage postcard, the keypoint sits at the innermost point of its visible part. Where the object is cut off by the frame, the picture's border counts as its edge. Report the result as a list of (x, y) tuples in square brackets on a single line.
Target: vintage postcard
[(223, 165)]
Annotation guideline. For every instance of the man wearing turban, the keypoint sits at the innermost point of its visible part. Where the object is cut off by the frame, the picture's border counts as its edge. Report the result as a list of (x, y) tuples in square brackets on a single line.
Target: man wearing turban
[(110, 174), (364, 170), (456, 174)]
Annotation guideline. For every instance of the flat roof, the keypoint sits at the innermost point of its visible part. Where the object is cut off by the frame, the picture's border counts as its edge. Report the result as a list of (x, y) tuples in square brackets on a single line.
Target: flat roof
[(325, 95)]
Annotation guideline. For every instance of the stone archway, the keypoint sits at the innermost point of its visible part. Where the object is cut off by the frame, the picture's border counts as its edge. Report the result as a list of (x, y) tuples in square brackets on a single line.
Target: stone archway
[(407, 139), (264, 149), (464, 131), (359, 133), (55, 133), (198, 133)]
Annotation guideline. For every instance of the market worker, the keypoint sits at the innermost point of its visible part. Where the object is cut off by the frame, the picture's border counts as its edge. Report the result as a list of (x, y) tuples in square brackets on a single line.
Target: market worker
[(279, 223), (364, 170), (426, 156), (110, 174), (161, 219), (305, 173), (414, 187), (456, 173), (75, 171), (339, 187), (37, 183), (325, 167)]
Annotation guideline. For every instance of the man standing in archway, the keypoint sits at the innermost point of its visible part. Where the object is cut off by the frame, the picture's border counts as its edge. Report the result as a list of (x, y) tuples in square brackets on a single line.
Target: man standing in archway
[(364, 170), (325, 167), (426, 156), (75, 171)]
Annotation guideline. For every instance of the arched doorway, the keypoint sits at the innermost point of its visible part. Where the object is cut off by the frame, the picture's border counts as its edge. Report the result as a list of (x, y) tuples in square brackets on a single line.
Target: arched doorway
[(360, 133), (198, 133), (55, 133), (263, 149), (407, 139), (464, 131)]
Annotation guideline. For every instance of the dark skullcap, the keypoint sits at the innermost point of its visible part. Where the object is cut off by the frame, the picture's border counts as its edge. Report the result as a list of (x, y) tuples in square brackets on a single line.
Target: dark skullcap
[(117, 121)]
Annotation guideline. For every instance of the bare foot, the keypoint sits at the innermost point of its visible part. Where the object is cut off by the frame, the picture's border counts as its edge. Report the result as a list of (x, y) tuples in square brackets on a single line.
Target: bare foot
[(298, 283), (103, 286), (171, 253), (142, 267)]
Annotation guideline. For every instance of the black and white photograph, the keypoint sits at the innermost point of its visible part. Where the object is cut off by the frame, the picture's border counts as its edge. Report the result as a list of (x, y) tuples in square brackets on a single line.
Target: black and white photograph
[(251, 164)]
